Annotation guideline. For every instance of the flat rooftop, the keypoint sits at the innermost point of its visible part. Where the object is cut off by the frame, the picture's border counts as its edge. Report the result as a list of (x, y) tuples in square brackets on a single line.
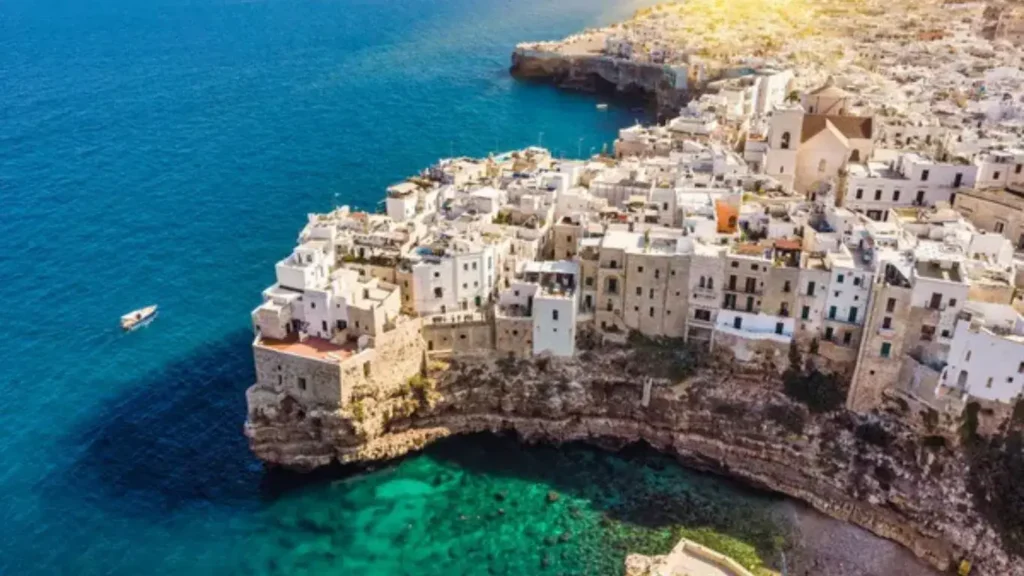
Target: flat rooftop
[(315, 348), (933, 271)]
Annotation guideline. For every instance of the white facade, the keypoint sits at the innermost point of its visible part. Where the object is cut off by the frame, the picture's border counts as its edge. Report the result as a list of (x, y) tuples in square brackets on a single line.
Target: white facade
[(305, 268), (986, 357), (755, 326), (848, 292), (911, 180), (998, 169), (459, 281)]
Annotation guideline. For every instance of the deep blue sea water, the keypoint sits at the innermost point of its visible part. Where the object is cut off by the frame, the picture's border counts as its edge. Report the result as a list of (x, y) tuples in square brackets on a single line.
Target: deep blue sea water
[(167, 151)]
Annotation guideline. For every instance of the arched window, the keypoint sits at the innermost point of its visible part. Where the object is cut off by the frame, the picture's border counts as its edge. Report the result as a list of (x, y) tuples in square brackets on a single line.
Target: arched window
[(701, 281), (784, 141), (855, 155), (822, 166), (711, 283)]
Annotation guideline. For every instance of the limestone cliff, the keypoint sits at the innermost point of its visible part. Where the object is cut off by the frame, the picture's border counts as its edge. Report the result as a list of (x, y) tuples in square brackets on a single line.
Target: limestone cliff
[(651, 83), (871, 471)]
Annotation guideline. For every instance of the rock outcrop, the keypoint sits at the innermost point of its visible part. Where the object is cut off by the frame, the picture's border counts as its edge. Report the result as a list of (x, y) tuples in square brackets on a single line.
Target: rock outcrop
[(873, 471), (649, 83)]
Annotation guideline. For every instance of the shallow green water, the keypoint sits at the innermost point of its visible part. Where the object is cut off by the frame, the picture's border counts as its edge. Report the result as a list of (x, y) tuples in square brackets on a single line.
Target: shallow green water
[(483, 505)]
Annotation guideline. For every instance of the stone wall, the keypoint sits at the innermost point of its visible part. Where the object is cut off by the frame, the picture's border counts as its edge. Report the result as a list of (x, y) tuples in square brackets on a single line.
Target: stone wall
[(465, 337), (513, 336), (309, 381)]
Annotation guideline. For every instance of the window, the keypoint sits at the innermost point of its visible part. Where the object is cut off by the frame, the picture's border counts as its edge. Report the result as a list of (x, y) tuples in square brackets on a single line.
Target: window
[(613, 285), (1020, 368), (312, 304), (554, 315), (927, 333), (924, 176), (896, 196), (890, 306), (700, 284), (886, 349), (640, 269), (474, 265), (952, 302), (438, 292), (753, 267), (832, 313), (614, 264), (853, 315), (657, 274), (302, 383), (782, 169), (340, 324), (786, 287), (856, 281), (996, 177), (860, 193), (988, 383), (887, 323), (945, 333), (735, 264), (878, 194), (639, 291), (324, 324), (1000, 227), (737, 323), (805, 313), (810, 288), (465, 267), (1017, 168), (840, 278), (967, 358), (828, 333), (589, 281), (651, 293), (847, 337), (779, 327), (711, 283), (652, 311), (784, 142), (702, 315)]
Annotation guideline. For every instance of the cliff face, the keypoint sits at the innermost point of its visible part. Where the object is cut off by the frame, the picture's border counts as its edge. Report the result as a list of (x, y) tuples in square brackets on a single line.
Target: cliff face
[(591, 73), (875, 473)]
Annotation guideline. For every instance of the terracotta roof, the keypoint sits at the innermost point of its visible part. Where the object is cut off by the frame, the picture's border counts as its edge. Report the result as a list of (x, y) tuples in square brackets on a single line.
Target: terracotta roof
[(788, 244), (859, 127)]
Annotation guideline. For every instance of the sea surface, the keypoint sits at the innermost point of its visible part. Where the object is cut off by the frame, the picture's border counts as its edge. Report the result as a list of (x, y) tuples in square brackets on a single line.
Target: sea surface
[(168, 151)]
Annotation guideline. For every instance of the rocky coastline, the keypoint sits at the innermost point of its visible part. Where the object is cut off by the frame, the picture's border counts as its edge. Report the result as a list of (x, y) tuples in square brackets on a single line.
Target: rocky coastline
[(873, 471), (633, 82)]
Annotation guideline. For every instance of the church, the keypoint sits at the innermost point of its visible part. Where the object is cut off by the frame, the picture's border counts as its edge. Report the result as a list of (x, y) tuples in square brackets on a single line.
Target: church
[(812, 141)]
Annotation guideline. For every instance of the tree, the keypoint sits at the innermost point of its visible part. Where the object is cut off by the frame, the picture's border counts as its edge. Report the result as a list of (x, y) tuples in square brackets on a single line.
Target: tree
[(795, 357)]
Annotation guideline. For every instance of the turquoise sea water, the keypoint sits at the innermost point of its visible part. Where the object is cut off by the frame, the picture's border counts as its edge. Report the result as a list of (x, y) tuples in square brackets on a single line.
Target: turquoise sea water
[(167, 151)]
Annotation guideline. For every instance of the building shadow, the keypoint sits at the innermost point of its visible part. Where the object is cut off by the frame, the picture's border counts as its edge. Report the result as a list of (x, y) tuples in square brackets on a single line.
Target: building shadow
[(173, 437)]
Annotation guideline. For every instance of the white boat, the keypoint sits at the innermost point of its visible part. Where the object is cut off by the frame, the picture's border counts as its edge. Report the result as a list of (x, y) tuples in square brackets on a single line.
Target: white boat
[(602, 106), (138, 318)]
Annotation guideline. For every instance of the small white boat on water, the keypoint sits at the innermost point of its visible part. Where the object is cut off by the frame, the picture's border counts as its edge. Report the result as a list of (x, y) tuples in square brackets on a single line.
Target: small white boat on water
[(138, 318), (602, 106)]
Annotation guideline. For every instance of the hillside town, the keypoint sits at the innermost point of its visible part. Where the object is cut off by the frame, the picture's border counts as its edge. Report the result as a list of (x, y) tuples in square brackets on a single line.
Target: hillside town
[(887, 250)]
